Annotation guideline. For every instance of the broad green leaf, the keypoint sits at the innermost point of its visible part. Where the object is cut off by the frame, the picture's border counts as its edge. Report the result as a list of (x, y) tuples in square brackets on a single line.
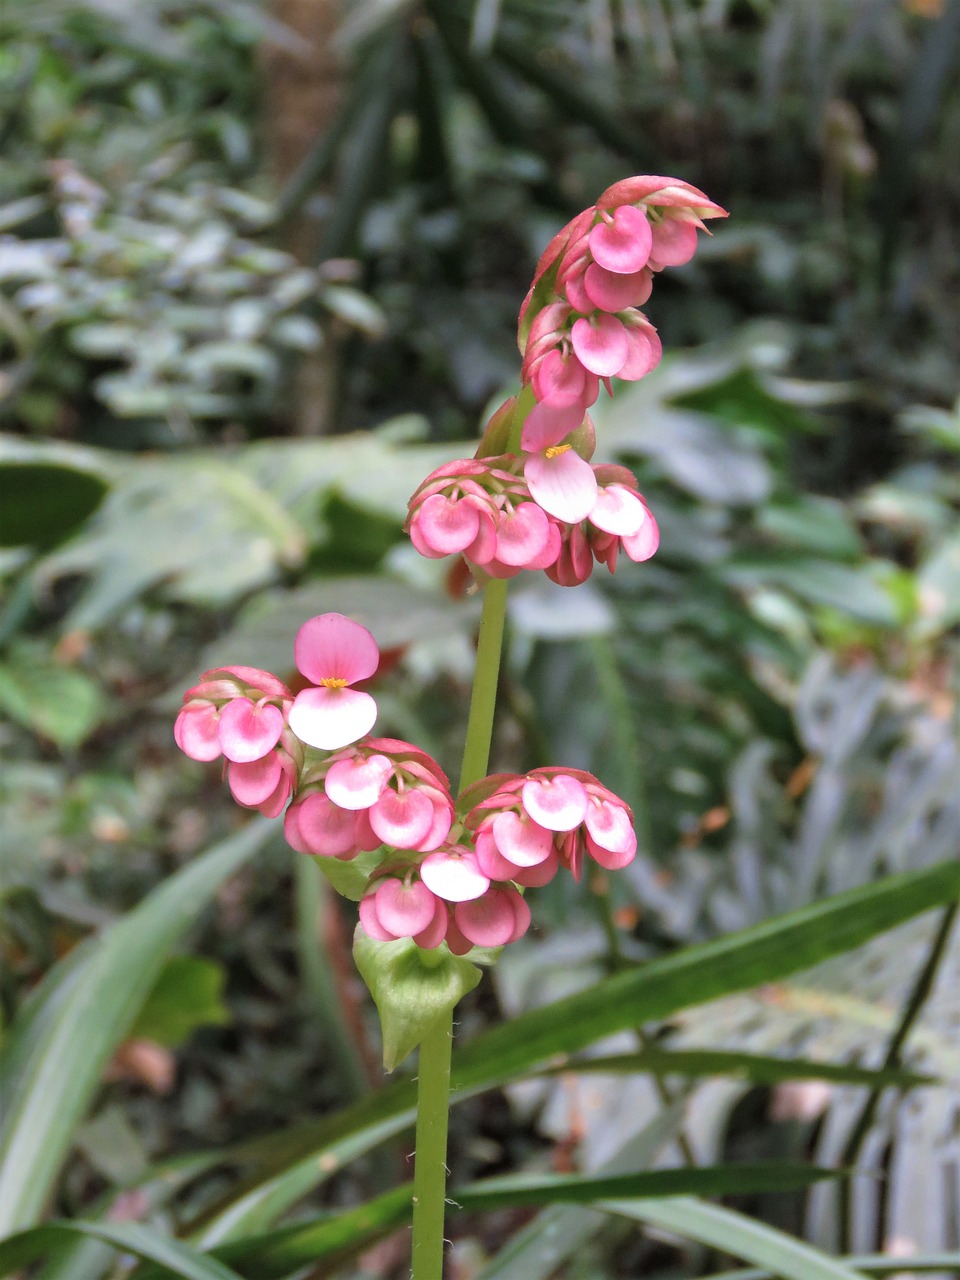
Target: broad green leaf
[(196, 526), (874, 1264), (41, 502), (764, 953), (175, 1257), (65, 1045), (188, 994), (758, 1068), (52, 701), (707, 1180), (734, 1233)]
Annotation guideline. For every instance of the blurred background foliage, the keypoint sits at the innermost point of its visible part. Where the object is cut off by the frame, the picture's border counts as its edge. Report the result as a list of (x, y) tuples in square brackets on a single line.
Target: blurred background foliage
[(259, 272)]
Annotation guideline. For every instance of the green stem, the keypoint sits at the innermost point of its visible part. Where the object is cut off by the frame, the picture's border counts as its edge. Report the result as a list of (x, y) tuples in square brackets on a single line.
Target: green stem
[(483, 699), (430, 1173)]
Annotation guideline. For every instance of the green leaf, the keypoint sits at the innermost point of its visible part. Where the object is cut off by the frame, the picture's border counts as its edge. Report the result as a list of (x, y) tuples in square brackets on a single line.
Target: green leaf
[(876, 1264), (175, 1257), (735, 1233), (195, 526), (60, 1048), (187, 995), (41, 503), (52, 701), (757, 1068), (707, 1180), (764, 953), (411, 988)]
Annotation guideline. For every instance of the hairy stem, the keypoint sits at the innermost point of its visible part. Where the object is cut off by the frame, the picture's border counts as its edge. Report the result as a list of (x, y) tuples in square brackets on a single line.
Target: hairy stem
[(430, 1174)]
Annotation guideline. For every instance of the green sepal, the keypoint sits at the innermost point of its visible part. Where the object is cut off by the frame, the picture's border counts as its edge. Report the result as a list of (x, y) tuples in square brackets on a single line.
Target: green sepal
[(350, 879), (412, 988)]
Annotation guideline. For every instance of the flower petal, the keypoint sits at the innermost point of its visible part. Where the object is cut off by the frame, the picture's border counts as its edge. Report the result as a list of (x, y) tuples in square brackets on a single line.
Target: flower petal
[(455, 877), (617, 510), (248, 731), (196, 731), (548, 424), (525, 844), (600, 342), (332, 647), (255, 782), (324, 827), (447, 526), (611, 291), (558, 803), (332, 718), (404, 909), (622, 240), (356, 782), (522, 535), (564, 485), (642, 545), (674, 242), (402, 818)]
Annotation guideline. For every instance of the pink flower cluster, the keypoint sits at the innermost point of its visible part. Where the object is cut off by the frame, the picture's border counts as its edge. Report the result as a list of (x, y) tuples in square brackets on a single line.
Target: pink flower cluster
[(546, 506), (518, 834), (503, 514), (380, 791), (580, 322), (439, 879)]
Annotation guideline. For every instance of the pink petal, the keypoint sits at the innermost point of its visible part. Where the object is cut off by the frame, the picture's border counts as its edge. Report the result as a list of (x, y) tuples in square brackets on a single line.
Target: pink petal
[(402, 818), (434, 933), (324, 827), (563, 485), (619, 511), (332, 647), (610, 827), (489, 858), (558, 803), (621, 242), (522, 535), (262, 681), (574, 287), (642, 545), (674, 242), (272, 807), (404, 909), (575, 561), (447, 526), (248, 731), (551, 549), (291, 830), (332, 718), (525, 844), (611, 291), (370, 921), (500, 916), (253, 783), (600, 342), (356, 783), (458, 944), (644, 350), (536, 877), (548, 424), (609, 859), (484, 545), (559, 382), (442, 820), (195, 731), (453, 877)]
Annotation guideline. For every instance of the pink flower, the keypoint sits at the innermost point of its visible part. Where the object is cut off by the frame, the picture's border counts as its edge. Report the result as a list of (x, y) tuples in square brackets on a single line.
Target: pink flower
[(238, 712), (334, 652)]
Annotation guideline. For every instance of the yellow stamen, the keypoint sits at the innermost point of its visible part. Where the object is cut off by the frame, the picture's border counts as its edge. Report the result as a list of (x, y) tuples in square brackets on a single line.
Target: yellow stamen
[(333, 682), (556, 449)]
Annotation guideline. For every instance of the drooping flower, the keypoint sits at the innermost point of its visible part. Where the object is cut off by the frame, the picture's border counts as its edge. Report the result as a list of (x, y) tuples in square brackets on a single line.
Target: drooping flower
[(333, 652)]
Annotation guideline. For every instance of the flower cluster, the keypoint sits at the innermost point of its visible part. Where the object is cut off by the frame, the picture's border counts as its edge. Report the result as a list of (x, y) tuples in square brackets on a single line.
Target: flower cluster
[(546, 506), (439, 877), (501, 521)]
